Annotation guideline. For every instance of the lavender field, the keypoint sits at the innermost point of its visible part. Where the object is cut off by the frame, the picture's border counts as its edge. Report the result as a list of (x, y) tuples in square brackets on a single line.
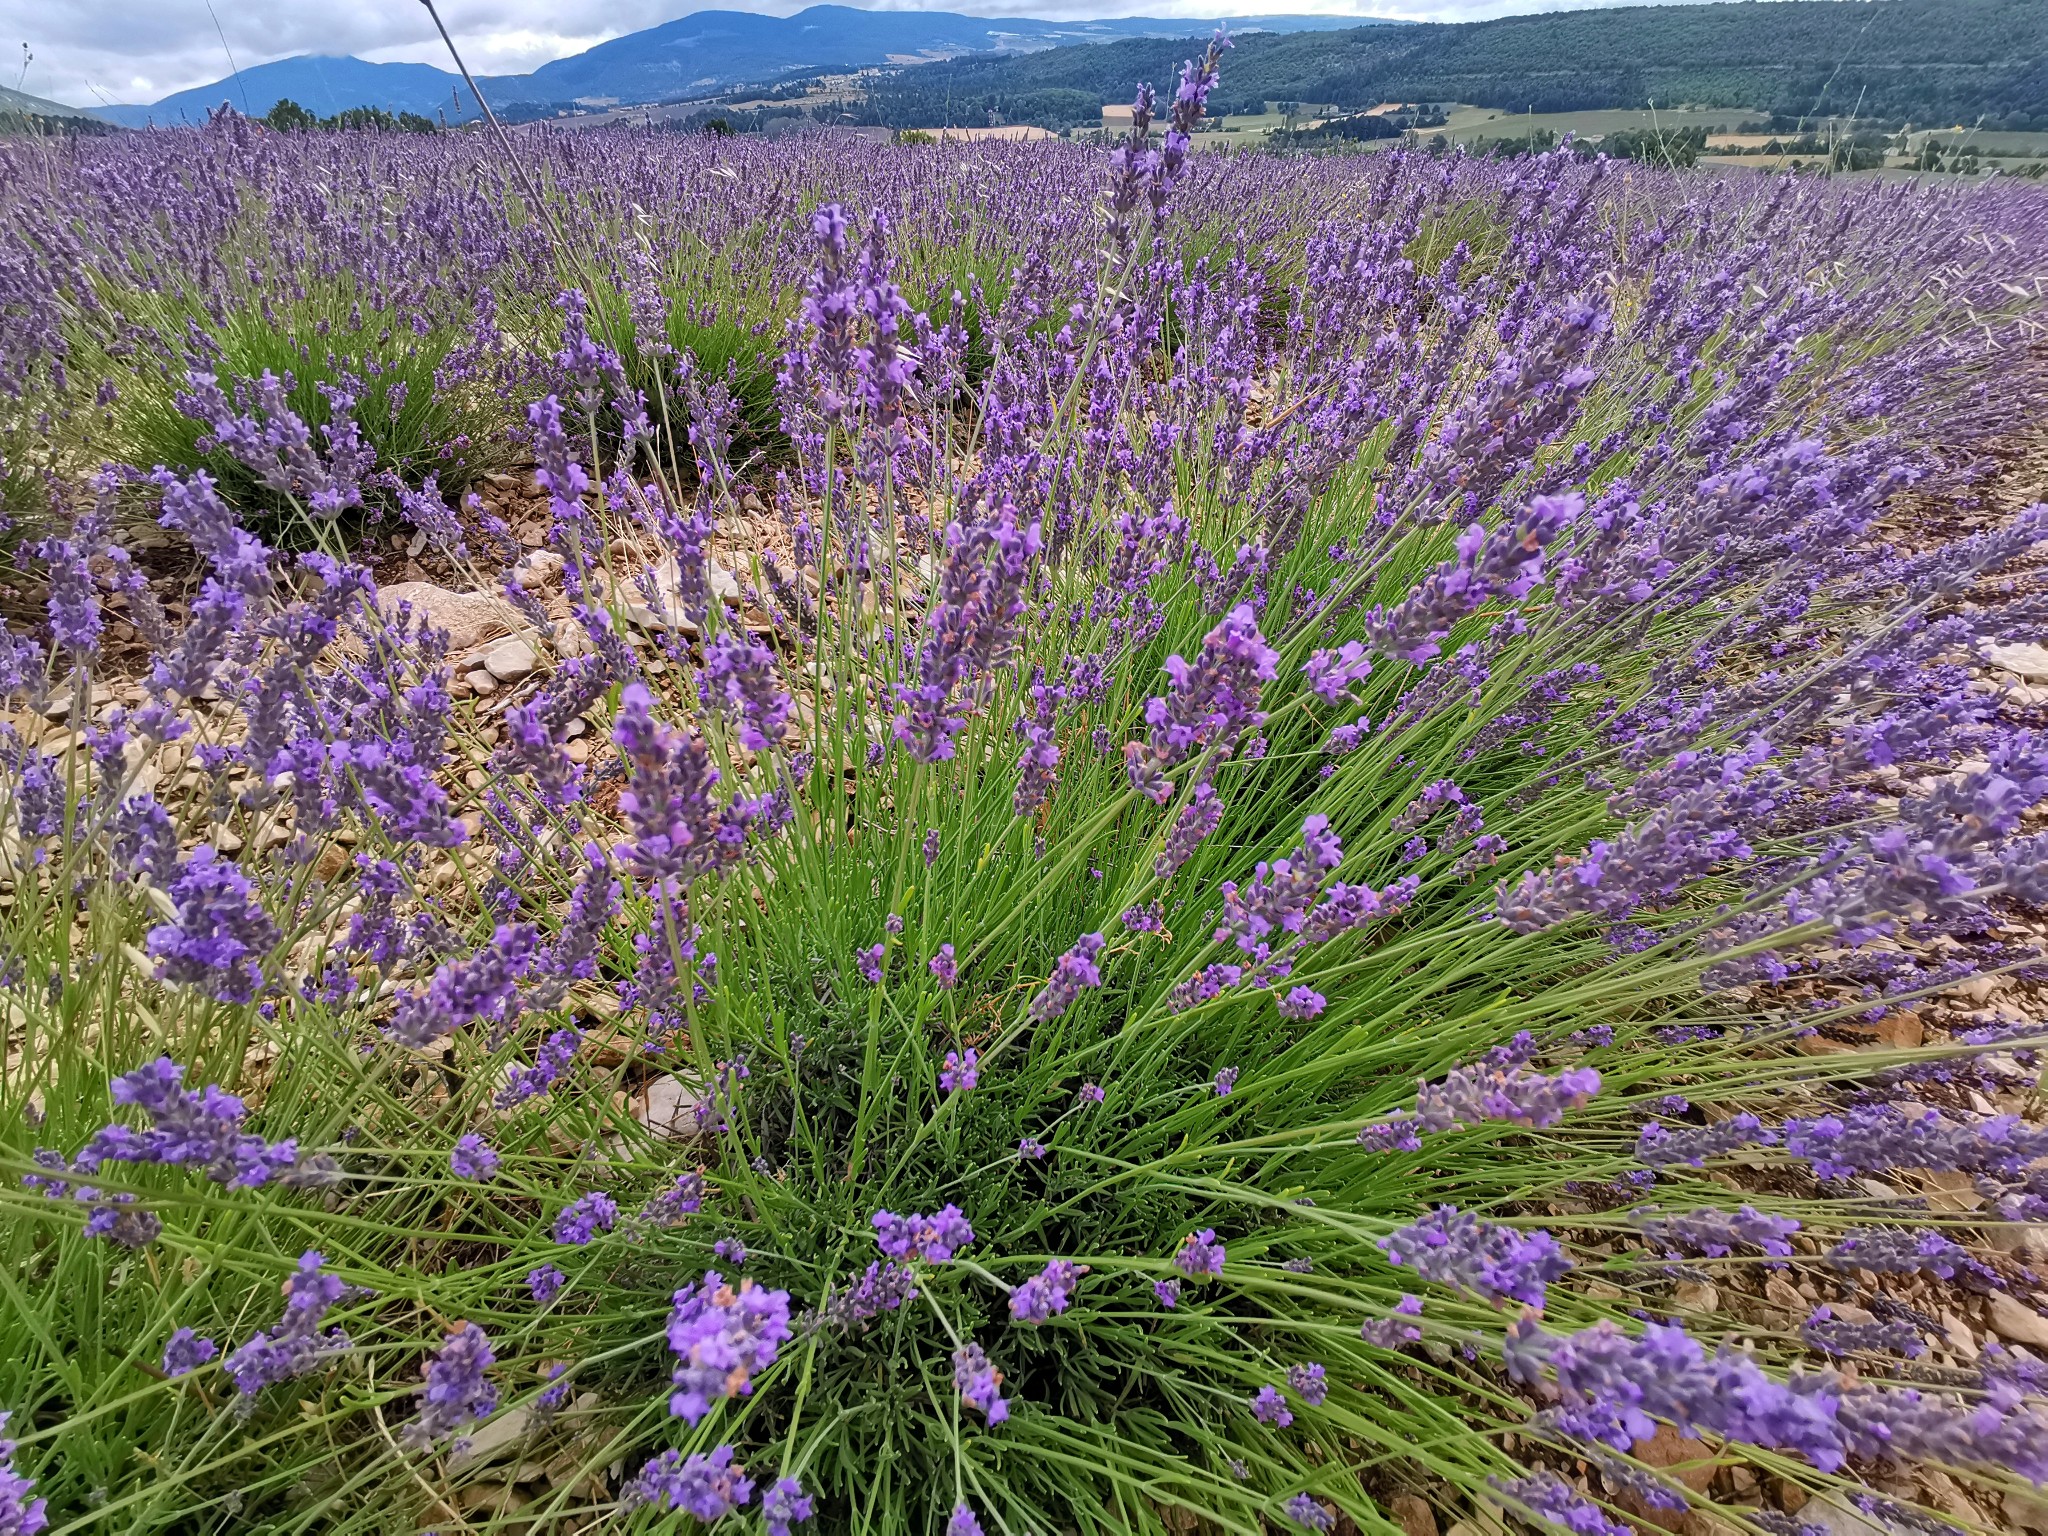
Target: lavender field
[(1012, 839)]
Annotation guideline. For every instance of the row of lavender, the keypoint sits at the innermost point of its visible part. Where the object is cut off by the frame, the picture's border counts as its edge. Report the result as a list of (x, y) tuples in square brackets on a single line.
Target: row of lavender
[(1283, 633)]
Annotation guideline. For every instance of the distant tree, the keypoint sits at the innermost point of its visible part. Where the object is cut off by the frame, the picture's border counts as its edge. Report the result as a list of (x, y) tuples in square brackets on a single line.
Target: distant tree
[(413, 122), (718, 128), (1670, 147), (369, 119), (289, 117)]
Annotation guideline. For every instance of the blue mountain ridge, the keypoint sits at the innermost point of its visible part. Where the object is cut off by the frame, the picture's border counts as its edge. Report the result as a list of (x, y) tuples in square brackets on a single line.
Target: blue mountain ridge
[(695, 55)]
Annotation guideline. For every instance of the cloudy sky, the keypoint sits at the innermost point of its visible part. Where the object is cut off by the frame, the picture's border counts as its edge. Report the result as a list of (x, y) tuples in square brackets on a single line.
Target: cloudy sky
[(89, 52)]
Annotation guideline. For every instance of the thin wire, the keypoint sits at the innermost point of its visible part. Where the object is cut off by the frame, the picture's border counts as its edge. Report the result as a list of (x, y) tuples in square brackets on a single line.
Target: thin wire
[(234, 69)]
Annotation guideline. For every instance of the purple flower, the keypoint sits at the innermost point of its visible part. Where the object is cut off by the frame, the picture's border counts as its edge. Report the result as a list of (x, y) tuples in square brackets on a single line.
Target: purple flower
[(1308, 1383), (783, 1505), (73, 608), (484, 985), (1146, 919), (679, 830), (961, 1072), (931, 847), (1456, 1248), (1839, 1336), (1281, 893), (1202, 815), (707, 1486), (1716, 1234), (979, 1383), (1897, 1251), (545, 1283), (1659, 1147), (884, 1288), (1199, 1254), (1208, 703), (185, 1352), (1393, 1135), (1392, 1332), (1168, 1292), (944, 967), (1046, 1292), (869, 961), (1075, 972), (723, 1338), (583, 1218), (21, 1515), (1305, 1511), (970, 628), (742, 678), (1501, 1088), (1883, 1136), (1269, 1407), (473, 1158), (1031, 1147), (1618, 1387), (220, 935), (549, 1063), (731, 1250), (962, 1522), (456, 1392), (1226, 1080), (683, 1198), (189, 1128), (1301, 1003), (935, 1238), (1091, 1093), (1331, 673), (1035, 768), (551, 1398), (296, 1345), (1555, 1501)]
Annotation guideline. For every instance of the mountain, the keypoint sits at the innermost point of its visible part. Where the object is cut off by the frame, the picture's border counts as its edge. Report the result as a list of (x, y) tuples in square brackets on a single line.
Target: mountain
[(1925, 61), (322, 85), (715, 49), (18, 104), (693, 56)]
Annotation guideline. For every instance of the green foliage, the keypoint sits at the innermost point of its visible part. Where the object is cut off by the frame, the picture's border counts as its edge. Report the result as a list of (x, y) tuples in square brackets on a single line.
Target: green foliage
[(1931, 61), (289, 117), (1672, 148), (322, 340)]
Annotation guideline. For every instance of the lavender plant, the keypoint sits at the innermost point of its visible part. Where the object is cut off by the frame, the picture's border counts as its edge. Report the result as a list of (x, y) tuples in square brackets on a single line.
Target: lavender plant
[(1193, 934)]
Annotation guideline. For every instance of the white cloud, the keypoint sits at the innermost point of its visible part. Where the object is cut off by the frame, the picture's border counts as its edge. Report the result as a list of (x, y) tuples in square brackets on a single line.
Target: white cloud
[(92, 51)]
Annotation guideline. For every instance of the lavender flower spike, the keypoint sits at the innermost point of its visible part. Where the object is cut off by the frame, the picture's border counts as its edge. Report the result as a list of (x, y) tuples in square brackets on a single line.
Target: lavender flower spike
[(1454, 1247), (456, 1391), (980, 1383), (1047, 1292), (724, 1338), (1498, 1088), (1075, 973), (296, 1344)]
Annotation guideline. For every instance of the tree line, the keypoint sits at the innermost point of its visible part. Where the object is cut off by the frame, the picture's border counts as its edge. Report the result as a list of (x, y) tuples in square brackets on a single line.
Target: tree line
[(1982, 62)]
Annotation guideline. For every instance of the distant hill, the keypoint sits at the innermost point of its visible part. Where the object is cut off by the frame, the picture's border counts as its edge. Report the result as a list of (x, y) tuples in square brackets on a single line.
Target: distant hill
[(715, 49), (322, 85), (696, 55), (1927, 61), (16, 104)]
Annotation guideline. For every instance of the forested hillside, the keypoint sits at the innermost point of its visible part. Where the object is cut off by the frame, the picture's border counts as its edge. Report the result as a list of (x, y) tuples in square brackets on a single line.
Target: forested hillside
[(1924, 61)]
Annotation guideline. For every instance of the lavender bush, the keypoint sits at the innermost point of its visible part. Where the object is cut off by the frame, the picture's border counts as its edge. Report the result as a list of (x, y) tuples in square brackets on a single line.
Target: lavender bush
[(1232, 904)]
